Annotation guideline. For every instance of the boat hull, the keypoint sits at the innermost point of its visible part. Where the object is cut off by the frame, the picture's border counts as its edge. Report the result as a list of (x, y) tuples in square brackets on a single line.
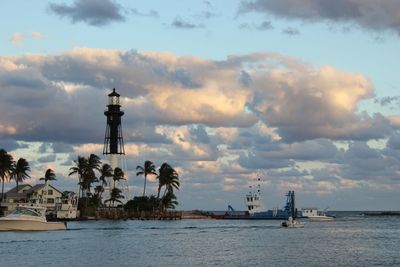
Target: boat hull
[(320, 218), (20, 225)]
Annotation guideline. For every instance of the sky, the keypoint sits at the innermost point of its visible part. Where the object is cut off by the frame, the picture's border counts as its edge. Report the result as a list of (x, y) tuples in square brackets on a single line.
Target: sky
[(304, 93)]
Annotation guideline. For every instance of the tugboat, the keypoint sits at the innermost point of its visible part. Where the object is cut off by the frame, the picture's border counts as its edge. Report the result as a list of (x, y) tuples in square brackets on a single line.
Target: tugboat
[(254, 208), (291, 221)]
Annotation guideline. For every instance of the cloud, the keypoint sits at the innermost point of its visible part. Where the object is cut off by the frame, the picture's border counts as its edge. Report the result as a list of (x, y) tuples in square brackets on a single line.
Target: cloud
[(93, 12), (10, 145), (388, 100), (298, 101), (217, 121), (151, 13), (368, 14), (180, 23), (17, 38), (263, 26), (291, 31), (362, 162), (288, 97), (47, 158)]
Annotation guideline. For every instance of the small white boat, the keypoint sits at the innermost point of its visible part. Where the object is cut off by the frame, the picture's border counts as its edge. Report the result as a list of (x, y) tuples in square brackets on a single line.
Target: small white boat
[(291, 223), (29, 217), (321, 218), (313, 214)]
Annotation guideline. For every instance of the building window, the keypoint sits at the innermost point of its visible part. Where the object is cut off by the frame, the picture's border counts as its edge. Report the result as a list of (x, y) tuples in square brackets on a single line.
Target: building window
[(50, 192), (50, 201)]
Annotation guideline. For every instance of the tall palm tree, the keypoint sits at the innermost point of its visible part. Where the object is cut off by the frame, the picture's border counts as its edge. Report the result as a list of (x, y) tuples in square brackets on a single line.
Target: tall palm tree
[(167, 177), (105, 172), (147, 169), (20, 171), (89, 177), (118, 175), (48, 176), (79, 169), (6, 162)]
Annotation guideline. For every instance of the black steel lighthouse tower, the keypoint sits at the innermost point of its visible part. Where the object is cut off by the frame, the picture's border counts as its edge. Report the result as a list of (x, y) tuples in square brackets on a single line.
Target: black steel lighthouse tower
[(113, 140)]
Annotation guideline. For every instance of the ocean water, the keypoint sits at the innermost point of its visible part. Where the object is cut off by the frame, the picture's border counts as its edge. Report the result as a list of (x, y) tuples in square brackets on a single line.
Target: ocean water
[(348, 241)]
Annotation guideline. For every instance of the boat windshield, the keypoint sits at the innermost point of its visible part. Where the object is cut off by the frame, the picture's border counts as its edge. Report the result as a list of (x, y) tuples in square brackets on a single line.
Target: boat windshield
[(25, 211)]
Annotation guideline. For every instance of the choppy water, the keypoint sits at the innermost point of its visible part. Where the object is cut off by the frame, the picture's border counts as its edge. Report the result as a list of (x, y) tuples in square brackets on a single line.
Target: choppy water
[(348, 241)]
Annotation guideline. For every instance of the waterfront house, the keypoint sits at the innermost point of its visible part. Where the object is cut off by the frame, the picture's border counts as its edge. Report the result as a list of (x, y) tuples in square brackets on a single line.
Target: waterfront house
[(49, 197)]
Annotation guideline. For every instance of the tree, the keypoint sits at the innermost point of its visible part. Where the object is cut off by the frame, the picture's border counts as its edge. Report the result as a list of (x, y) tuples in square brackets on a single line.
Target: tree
[(79, 169), (167, 177), (20, 171), (48, 176), (118, 175), (169, 200), (6, 162), (115, 196), (105, 172), (147, 169), (89, 175)]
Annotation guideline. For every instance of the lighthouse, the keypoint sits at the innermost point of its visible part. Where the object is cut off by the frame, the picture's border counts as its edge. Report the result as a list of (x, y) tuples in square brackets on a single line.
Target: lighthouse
[(113, 140)]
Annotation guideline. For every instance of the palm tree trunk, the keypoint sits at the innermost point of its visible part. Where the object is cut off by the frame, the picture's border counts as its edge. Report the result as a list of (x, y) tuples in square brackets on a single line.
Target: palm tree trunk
[(144, 188), (158, 194), (165, 191), (2, 191)]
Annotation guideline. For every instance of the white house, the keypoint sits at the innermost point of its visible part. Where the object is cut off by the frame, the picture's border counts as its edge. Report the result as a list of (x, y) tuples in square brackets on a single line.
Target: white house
[(36, 194)]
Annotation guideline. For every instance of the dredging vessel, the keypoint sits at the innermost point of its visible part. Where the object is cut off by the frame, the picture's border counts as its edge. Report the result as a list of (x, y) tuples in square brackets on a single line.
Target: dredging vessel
[(254, 208)]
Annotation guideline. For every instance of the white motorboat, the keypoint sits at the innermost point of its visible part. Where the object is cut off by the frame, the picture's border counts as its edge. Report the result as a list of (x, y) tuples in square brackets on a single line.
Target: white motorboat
[(29, 217), (291, 223), (321, 218), (314, 214)]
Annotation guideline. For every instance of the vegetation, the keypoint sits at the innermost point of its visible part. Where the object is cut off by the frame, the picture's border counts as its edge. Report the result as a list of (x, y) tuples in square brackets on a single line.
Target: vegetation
[(168, 178), (6, 161), (19, 171), (148, 168), (115, 196), (93, 176), (48, 176)]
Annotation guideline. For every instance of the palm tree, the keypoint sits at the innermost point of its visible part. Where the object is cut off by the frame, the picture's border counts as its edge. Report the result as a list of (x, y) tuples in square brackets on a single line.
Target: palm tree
[(20, 171), (79, 169), (48, 176), (89, 177), (169, 200), (6, 162), (117, 175), (105, 172), (147, 169), (115, 196), (167, 177)]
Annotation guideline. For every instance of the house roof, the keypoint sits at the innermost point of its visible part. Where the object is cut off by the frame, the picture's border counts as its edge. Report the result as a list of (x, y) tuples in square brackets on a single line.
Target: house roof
[(12, 193), (14, 189)]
